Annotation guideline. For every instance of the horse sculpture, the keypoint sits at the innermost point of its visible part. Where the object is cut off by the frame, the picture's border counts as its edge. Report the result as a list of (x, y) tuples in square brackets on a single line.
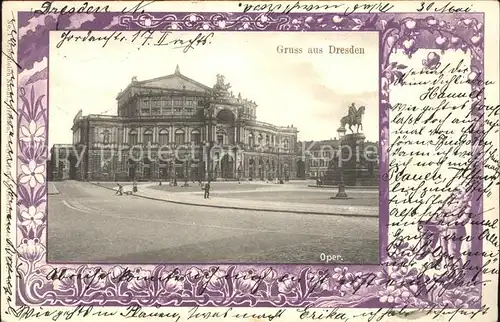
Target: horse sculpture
[(355, 119)]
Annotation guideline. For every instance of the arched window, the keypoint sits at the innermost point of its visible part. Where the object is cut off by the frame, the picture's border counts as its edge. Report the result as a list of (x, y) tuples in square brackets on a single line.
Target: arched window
[(285, 143), (195, 137), (180, 136), (132, 137), (148, 137), (163, 137)]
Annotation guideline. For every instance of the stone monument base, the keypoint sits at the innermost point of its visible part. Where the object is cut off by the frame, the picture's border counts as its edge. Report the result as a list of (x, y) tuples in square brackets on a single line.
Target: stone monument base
[(355, 168)]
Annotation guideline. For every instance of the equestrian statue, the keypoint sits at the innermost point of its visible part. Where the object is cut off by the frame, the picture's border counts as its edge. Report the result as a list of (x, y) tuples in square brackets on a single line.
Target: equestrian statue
[(354, 117)]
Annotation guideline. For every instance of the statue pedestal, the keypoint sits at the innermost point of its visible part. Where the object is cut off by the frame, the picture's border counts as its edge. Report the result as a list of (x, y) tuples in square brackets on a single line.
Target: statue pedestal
[(356, 167), (341, 194)]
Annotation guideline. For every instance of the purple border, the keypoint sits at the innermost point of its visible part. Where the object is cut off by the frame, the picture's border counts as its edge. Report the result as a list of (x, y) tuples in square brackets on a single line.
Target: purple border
[(230, 285)]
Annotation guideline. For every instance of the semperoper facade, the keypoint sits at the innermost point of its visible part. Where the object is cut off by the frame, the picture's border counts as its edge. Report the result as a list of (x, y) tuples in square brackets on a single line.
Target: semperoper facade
[(174, 126)]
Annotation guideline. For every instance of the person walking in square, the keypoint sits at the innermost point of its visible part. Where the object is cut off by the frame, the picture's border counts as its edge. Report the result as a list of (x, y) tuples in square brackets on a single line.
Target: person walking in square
[(119, 191), (207, 190), (134, 187)]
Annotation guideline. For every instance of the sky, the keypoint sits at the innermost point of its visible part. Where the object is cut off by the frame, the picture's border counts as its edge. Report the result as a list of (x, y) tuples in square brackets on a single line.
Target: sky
[(310, 91)]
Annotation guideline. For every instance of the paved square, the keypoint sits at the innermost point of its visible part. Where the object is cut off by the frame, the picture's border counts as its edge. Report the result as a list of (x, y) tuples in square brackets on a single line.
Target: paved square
[(90, 223)]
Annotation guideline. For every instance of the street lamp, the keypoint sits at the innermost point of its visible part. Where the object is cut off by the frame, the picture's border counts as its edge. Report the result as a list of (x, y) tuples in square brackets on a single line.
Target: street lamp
[(341, 194)]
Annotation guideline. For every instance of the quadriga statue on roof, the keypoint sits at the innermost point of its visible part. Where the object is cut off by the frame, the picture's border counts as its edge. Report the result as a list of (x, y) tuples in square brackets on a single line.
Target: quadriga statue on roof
[(354, 117), (221, 89)]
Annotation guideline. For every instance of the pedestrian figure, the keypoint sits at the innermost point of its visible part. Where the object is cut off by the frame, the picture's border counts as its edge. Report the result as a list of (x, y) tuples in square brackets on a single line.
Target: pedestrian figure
[(159, 183), (175, 182), (134, 187), (119, 191), (207, 190)]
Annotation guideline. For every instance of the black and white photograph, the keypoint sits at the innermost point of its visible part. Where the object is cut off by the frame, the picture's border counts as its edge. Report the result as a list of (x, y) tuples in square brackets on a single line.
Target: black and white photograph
[(260, 148)]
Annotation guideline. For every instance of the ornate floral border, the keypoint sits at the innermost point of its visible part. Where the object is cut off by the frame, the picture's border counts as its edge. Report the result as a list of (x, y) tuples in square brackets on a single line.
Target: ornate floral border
[(229, 285)]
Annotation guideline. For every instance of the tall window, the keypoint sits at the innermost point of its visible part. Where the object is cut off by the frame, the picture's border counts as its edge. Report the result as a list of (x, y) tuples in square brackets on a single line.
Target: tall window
[(179, 137), (132, 137), (285, 144), (148, 137), (105, 136), (163, 137), (260, 139), (195, 137), (251, 140), (220, 138)]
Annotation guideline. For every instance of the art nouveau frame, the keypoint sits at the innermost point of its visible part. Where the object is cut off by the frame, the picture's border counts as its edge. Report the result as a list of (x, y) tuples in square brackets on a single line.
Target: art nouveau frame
[(233, 285)]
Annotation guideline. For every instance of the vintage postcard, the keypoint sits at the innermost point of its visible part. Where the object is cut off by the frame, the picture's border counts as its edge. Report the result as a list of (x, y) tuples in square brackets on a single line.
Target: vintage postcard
[(250, 161)]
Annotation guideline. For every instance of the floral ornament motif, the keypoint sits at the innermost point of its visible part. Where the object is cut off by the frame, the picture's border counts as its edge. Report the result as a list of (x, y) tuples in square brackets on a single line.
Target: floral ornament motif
[(287, 284), (214, 279), (31, 110), (392, 74), (141, 281), (460, 298), (337, 22), (432, 61), (205, 25), (246, 283), (173, 281), (32, 174), (94, 278), (410, 25), (32, 218), (32, 152), (318, 282), (31, 250), (116, 274), (442, 42), (409, 46), (27, 197), (62, 283), (397, 296), (32, 132), (403, 276), (348, 282), (194, 274)]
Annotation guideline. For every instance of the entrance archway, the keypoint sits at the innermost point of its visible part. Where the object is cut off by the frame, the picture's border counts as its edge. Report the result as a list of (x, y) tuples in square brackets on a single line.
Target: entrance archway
[(164, 166), (146, 172), (179, 169), (131, 169), (251, 168), (261, 169), (227, 167)]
